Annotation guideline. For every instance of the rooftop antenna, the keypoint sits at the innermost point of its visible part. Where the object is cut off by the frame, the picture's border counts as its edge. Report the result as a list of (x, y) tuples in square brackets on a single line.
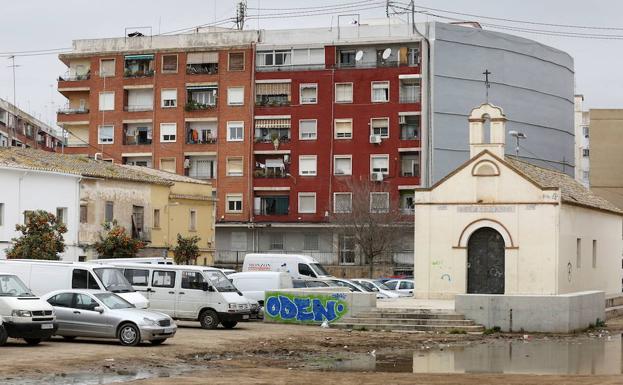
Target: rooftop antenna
[(487, 84)]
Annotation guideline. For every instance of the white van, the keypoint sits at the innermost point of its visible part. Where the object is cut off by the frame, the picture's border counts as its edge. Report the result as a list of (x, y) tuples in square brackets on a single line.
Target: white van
[(253, 284), (22, 314), (298, 266), (43, 277), (185, 292), (153, 260)]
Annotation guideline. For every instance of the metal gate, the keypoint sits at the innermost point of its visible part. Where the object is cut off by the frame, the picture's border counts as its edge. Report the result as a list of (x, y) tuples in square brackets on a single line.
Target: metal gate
[(485, 262)]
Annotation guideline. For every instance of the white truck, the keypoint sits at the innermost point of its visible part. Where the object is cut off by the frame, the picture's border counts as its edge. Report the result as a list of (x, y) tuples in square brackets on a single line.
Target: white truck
[(296, 265), (254, 284), (22, 314), (43, 277)]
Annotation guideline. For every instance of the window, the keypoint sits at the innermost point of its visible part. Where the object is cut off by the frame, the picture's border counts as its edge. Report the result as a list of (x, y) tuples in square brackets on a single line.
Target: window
[(406, 285), (236, 61), (594, 253), (62, 300), (193, 220), (305, 269), (342, 202), (307, 203), (380, 92), (276, 241), (274, 58), (379, 163), (138, 221), (307, 165), (106, 134), (409, 90), (83, 214), (84, 302), (167, 164), (409, 127), (310, 242), (585, 152), (578, 253), (107, 101), (309, 93), (192, 280), (273, 93), (308, 129), (107, 68), (156, 218), (163, 279), (344, 92), (61, 215), (169, 63), (234, 203), (235, 96), (234, 166), (379, 202), (410, 164), (407, 202), (202, 63), (201, 97), (346, 249), (137, 277), (169, 98), (413, 57), (343, 165), (1, 214), (83, 279), (343, 128), (235, 131), (346, 58), (272, 205), (201, 167), (109, 211), (585, 131), (168, 132), (380, 126)]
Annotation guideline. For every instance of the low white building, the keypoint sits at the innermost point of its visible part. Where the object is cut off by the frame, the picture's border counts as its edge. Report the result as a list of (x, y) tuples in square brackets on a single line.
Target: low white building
[(28, 189), (499, 225)]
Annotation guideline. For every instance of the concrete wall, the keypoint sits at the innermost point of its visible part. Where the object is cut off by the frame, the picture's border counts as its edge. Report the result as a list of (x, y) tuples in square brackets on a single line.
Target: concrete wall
[(563, 313), (313, 306), (606, 131)]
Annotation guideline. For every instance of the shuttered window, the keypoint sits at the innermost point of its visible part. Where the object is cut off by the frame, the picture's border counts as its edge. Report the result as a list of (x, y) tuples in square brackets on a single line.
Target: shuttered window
[(202, 58), (273, 89), (236, 61), (344, 93), (167, 164), (307, 203), (234, 166), (235, 96), (106, 135), (380, 127), (107, 101), (169, 63), (308, 129), (168, 132), (307, 165), (379, 163), (342, 165), (343, 129), (107, 67), (169, 97)]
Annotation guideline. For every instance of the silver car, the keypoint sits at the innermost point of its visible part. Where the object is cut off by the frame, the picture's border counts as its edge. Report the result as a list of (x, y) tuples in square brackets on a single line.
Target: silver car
[(102, 314)]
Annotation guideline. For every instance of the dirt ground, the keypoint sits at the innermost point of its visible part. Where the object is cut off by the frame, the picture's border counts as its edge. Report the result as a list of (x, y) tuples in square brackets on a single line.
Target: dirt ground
[(252, 353)]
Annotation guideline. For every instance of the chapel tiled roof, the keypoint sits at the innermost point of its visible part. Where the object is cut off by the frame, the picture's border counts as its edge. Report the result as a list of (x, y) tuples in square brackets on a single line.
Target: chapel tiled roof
[(31, 159), (572, 192)]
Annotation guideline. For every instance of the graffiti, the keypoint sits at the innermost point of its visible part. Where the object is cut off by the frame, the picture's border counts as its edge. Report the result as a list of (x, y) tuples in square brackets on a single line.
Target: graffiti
[(305, 308), (446, 276), (569, 270), (437, 263)]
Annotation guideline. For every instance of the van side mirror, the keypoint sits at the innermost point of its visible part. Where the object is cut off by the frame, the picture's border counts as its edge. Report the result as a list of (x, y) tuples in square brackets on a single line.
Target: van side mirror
[(205, 286), (98, 309)]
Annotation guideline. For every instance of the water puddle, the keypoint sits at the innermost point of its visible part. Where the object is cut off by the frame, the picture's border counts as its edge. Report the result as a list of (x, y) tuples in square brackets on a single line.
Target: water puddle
[(91, 377), (581, 355)]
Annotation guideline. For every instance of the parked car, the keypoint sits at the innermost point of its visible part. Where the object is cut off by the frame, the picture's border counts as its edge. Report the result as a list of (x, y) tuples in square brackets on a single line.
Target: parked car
[(298, 266), (404, 287), (381, 288), (354, 287), (101, 314), (304, 283), (22, 314), (46, 276), (193, 293)]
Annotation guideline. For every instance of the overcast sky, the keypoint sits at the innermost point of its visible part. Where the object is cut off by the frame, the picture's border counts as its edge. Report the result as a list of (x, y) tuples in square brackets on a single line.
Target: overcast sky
[(44, 24)]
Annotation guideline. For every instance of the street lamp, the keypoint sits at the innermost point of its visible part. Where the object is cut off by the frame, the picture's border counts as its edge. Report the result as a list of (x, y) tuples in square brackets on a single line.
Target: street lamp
[(517, 135)]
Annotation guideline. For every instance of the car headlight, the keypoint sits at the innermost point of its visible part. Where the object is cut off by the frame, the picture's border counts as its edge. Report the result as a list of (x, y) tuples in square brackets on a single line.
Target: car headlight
[(150, 322), (21, 313)]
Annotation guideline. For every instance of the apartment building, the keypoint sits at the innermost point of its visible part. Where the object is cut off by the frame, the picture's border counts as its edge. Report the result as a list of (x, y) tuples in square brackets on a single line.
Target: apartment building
[(20, 129), (280, 121), (582, 142)]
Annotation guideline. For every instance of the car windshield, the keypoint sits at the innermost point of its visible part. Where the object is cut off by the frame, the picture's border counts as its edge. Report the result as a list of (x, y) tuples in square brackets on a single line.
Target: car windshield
[(381, 285), (11, 286), (220, 282), (113, 301), (318, 269), (369, 286), (114, 280)]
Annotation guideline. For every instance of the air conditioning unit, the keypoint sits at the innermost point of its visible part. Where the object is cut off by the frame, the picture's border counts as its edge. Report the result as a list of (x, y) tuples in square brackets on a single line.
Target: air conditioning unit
[(402, 119), (375, 139), (99, 156), (376, 177)]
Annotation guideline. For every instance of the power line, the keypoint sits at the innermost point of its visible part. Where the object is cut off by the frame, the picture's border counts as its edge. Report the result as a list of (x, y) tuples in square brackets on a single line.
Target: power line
[(308, 14), (320, 7)]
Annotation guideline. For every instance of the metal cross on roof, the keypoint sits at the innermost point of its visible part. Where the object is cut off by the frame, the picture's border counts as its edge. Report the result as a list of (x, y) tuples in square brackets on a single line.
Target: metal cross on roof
[(487, 84)]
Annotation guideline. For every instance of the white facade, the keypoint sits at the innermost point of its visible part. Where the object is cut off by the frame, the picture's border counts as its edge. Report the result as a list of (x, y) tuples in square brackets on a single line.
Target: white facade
[(554, 239), (581, 122), (24, 190)]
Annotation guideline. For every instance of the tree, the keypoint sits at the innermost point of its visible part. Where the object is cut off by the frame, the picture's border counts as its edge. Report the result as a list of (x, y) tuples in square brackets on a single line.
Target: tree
[(187, 250), (371, 221), (42, 237), (117, 243)]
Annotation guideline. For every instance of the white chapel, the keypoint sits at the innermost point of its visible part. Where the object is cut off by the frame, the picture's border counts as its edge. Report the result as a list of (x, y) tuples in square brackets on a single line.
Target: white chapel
[(499, 225)]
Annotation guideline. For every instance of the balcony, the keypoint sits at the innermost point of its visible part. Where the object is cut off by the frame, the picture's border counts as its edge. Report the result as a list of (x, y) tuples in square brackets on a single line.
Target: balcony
[(409, 91), (272, 94), (200, 167), (73, 110), (409, 127), (410, 164), (272, 205), (272, 100), (202, 69), (289, 67), (138, 66), (138, 108), (200, 98), (200, 137), (135, 135), (193, 105), (273, 135), (74, 77)]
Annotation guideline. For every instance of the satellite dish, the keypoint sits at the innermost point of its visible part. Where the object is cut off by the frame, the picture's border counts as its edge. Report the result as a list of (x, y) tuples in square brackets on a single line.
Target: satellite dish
[(386, 53), (359, 55)]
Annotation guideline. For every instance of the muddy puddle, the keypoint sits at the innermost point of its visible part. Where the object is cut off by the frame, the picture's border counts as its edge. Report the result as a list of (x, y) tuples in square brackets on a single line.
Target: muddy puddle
[(580, 355), (93, 377)]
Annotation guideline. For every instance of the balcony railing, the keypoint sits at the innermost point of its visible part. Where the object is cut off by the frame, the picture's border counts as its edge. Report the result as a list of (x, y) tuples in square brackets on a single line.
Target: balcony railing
[(135, 141), (404, 136), (200, 140), (138, 74), (266, 101), (370, 64), (75, 77), (195, 106), (202, 69), (272, 139), (72, 110), (270, 173), (137, 108), (290, 67), (409, 99), (201, 175)]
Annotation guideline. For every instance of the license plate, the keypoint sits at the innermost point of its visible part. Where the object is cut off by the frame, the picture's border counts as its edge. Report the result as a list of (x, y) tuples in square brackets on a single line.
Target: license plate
[(245, 316), (168, 330), (47, 326)]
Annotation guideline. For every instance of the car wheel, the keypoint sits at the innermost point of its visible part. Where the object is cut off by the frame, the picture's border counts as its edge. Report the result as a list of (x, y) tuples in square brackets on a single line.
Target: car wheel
[(3, 335), (69, 338), (229, 324), (129, 335), (158, 342), (32, 341), (209, 319)]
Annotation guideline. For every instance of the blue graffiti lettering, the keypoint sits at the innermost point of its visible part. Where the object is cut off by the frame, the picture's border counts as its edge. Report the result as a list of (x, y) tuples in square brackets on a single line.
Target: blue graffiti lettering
[(306, 308), (273, 306), (304, 311), (321, 312), (288, 308)]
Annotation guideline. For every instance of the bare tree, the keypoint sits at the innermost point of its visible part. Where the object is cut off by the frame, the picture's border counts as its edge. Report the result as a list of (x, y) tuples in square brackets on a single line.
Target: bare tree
[(370, 218)]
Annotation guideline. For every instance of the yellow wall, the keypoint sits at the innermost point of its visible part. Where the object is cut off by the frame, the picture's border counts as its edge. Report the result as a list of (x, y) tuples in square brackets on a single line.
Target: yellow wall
[(606, 177)]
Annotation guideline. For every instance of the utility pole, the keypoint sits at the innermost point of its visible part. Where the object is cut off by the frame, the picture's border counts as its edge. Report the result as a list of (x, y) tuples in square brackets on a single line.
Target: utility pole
[(13, 66), (241, 13)]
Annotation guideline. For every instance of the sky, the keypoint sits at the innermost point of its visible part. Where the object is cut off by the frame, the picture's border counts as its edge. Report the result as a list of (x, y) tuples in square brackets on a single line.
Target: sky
[(47, 24)]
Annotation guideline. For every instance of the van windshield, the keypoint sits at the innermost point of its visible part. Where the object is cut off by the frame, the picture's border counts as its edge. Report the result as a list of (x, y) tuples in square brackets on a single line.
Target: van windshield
[(113, 301), (220, 282), (319, 269), (113, 280), (11, 286)]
